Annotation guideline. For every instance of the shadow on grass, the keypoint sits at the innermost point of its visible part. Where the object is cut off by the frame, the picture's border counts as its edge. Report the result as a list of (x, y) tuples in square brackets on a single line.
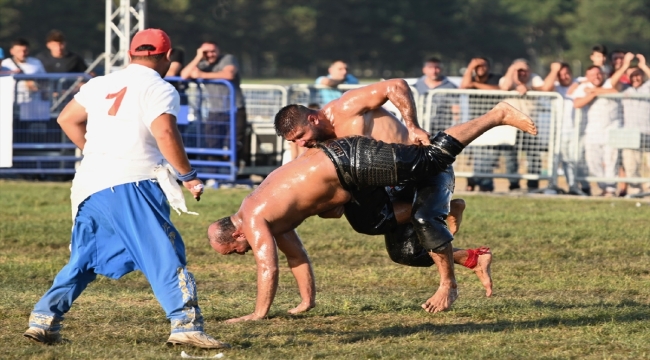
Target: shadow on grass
[(607, 315)]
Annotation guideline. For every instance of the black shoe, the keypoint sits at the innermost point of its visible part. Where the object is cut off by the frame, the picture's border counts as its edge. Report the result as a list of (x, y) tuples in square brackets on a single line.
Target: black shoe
[(577, 192)]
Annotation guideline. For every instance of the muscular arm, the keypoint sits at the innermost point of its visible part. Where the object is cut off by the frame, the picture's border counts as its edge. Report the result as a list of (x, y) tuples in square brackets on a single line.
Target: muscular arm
[(72, 120), (301, 268), (359, 101), (258, 233)]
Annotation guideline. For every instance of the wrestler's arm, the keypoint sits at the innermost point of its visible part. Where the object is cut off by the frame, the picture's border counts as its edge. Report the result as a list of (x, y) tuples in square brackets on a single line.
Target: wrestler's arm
[(72, 120), (359, 101), (334, 213), (291, 245), (258, 234)]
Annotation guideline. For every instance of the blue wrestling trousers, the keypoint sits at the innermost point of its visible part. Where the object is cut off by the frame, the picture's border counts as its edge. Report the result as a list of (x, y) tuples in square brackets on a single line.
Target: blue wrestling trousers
[(116, 231)]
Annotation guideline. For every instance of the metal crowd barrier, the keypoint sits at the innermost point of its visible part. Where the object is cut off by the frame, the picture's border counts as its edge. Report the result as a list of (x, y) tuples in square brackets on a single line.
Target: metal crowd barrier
[(503, 152), (39, 146), (206, 122), (620, 151)]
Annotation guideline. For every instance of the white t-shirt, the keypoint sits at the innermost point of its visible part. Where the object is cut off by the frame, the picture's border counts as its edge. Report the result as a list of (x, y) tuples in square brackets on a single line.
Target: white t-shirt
[(533, 81), (600, 115), (29, 67), (636, 112), (568, 111), (120, 147)]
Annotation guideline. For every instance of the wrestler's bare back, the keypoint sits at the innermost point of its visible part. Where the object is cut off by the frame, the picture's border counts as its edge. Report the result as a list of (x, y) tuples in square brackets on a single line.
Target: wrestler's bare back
[(378, 124), (302, 188)]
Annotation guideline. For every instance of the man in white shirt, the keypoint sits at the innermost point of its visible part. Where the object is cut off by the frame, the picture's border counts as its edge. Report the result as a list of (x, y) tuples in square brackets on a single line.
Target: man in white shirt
[(20, 63), (125, 123), (520, 78), (560, 79), (600, 116), (636, 113)]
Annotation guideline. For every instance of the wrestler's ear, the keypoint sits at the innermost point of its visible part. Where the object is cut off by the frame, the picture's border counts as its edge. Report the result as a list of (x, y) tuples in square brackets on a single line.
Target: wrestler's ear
[(238, 235), (313, 119)]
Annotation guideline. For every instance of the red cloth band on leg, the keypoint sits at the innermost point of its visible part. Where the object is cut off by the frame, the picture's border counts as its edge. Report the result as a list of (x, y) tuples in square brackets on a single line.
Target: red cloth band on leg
[(472, 256)]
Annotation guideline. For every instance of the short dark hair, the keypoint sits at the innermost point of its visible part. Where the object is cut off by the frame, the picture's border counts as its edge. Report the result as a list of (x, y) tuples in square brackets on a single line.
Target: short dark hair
[(432, 60), (565, 65), (223, 230), (211, 43), (489, 63), (599, 49), (593, 67), (617, 51), (289, 118), (55, 35), (147, 47), (20, 42)]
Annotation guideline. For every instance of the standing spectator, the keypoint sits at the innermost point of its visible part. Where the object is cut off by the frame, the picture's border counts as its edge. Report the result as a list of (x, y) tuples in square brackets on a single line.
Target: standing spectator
[(59, 60), (209, 63), (446, 108), (337, 75), (636, 114), (20, 62), (433, 77), (598, 58), (177, 58), (560, 79), (616, 58), (600, 115), (478, 76), (520, 78)]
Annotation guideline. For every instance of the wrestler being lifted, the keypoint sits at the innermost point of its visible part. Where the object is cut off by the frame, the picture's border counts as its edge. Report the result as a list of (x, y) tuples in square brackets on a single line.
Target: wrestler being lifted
[(360, 112), (322, 179)]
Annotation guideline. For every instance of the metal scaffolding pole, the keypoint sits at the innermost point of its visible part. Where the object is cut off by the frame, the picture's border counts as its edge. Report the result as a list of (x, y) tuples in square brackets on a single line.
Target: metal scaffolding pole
[(122, 22)]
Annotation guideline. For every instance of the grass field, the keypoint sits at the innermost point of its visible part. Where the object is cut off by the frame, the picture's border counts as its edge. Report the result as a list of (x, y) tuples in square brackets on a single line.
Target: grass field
[(572, 281)]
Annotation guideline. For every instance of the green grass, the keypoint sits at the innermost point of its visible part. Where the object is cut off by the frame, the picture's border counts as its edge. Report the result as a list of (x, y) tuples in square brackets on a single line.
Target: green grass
[(571, 282)]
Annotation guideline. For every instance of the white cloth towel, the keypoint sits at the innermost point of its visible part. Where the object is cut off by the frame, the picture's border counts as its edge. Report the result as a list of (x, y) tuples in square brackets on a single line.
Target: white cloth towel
[(166, 177)]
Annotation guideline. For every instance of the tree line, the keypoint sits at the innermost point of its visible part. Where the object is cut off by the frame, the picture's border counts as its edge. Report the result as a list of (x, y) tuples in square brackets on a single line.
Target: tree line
[(292, 38)]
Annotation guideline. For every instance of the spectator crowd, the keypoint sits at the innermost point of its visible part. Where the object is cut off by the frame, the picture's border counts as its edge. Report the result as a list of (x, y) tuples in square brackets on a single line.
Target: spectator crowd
[(603, 118)]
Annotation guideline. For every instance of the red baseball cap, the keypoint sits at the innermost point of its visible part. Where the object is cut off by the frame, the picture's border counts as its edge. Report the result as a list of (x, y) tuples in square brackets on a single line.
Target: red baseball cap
[(154, 37)]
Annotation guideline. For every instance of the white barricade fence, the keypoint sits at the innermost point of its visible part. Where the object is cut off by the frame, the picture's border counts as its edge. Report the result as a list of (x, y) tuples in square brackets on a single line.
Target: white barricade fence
[(503, 152), (262, 103), (611, 143)]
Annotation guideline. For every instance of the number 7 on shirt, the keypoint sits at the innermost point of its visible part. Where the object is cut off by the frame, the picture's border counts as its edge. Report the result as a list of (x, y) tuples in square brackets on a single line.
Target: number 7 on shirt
[(118, 96)]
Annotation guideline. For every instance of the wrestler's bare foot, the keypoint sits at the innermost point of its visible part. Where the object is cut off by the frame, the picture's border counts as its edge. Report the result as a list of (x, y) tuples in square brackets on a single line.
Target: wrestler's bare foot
[(455, 217), (442, 299), (302, 307), (513, 117), (482, 270)]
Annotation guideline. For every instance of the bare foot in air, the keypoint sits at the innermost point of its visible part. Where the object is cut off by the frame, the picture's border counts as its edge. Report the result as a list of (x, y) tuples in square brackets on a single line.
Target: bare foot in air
[(302, 307), (442, 299), (455, 217), (516, 118), (482, 269)]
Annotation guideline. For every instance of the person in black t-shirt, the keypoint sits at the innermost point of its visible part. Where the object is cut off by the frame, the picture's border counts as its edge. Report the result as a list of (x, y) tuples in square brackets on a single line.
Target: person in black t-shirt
[(177, 57), (57, 59)]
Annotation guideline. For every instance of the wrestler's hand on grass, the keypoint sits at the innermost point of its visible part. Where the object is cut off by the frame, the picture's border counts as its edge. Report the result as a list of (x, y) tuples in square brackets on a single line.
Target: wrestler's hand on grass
[(418, 136), (249, 317), (302, 307)]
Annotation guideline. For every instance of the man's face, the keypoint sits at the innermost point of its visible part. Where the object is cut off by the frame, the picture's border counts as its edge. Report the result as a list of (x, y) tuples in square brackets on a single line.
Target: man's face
[(636, 77), (240, 247), (482, 68), (564, 76), (523, 72), (595, 76), (19, 52), (432, 70), (307, 135), (338, 70), (57, 49), (597, 58), (210, 52), (617, 60)]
